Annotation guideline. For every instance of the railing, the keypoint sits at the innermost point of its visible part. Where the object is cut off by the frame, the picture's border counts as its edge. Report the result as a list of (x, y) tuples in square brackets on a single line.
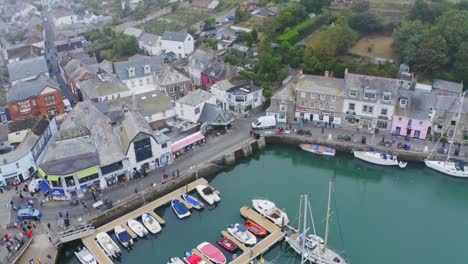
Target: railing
[(12, 258), (75, 233)]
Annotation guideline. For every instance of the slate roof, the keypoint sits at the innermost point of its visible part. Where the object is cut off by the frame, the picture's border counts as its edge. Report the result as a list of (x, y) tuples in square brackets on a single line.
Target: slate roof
[(447, 86), (133, 125), (200, 59), (218, 70), (378, 84), (22, 90), (102, 85), (214, 115), (147, 104), (27, 68), (320, 84), (170, 75), (138, 61), (23, 52), (418, 105), (194, 98), (76, 68), (175, 35), (150, 39)]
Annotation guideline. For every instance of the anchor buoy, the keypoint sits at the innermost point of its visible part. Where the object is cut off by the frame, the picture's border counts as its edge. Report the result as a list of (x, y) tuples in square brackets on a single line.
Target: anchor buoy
[(234, 256)]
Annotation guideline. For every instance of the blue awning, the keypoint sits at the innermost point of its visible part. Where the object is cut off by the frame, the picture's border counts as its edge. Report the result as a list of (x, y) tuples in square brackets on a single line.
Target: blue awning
[(57, 192), (44, 186)]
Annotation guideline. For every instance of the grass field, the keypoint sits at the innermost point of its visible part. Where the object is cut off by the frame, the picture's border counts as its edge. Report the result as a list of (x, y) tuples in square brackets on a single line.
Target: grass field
[(179, 20), (381, 46)]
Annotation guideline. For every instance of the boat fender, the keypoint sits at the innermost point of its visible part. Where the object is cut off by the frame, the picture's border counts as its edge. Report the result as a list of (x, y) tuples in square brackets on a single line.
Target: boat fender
[(234, 256), (188, 254)]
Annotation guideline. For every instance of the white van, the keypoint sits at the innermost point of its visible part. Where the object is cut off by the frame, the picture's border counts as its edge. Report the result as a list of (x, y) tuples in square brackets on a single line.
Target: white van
[(67, 105), (34, 185), (264, 122)]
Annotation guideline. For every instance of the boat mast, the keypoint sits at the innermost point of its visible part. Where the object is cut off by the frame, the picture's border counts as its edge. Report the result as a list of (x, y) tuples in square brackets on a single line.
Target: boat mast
[(456, 125), (304, 227), (376, 121), (327, 226)]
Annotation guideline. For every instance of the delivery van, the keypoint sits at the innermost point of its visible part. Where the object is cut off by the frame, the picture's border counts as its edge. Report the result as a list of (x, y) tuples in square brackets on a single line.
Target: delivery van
[(264, 122)]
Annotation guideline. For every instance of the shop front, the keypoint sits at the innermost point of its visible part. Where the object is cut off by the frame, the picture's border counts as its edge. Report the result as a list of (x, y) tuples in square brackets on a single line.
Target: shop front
[(187, 144)]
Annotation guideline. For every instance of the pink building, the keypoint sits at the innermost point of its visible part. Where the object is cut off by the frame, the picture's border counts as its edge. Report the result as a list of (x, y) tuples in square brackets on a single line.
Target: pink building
[(415, 128)]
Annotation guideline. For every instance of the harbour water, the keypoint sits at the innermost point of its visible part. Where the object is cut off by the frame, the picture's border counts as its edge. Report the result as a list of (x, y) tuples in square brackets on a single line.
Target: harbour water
[(379, 215)]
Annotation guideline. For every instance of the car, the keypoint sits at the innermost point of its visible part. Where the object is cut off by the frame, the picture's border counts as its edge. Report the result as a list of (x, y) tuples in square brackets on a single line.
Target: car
[(255, 12), (224, 20), (219, 24), (208, 28), (28, 213)]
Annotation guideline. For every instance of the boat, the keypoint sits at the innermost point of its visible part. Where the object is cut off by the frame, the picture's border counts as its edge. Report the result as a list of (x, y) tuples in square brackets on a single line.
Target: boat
[(108, 245), (193, 258), (84, 256), (180, 209), (227, 244), (379, 158), (271, 212), (208, 194), (241, 233), (151, 223), (123, 236), (312, 247), (137, 227), (197, 204), (175, 260), (450, 167), (318, 149), (212, 253), (255, 228)]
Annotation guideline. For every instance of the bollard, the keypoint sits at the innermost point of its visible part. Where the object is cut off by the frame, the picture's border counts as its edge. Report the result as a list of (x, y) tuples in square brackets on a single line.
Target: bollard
[(329, 136)]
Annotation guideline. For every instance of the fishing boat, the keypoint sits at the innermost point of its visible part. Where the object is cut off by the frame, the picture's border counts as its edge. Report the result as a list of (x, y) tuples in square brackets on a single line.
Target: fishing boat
[(311, 247), (227, 244), (136, 227), (197, 204), (84, 256), (123, 236), (241, 233), (379, 158), (271, 212), (151, 223), (180, 209), (255, 228), (193, 258), (318, 149), (175, 260), (450, 167), (208, 194), (212, 253), (108, 245)]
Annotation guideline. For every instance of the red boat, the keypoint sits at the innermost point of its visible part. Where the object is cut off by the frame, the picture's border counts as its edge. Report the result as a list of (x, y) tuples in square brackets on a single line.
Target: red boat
[(227, 244), (255, 228)]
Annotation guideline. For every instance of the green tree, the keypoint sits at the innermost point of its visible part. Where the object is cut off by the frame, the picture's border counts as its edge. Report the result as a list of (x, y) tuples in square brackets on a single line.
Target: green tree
[(241, 16), (453, 26), (360, 6), (461, 62), (431, 55), (366, 23), (408, 37), (315, 5)]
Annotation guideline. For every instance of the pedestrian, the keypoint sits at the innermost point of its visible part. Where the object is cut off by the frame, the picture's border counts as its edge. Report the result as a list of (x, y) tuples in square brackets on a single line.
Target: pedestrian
[(48, 225), (16, 189), (34, 224), (38, 261), (60, 214), (66, 215), (49, 236), (178, 174), (21, 196), (84, 205), (173, 174), (1, 190), (11, 203), (9, 248), (49, 256), (323, 130), (32, 194), (31, 261)]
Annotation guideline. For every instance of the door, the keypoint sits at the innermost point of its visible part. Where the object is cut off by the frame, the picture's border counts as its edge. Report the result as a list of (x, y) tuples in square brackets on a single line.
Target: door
[(417, 133), (408, 132), (398, 130)]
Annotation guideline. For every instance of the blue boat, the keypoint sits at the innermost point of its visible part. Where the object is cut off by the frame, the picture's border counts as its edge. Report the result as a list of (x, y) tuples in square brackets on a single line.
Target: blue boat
[(123, 236), (180, 209), (193, 201)]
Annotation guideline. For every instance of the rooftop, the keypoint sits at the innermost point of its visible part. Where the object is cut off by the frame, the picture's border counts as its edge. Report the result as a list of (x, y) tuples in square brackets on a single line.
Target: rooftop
[(27, 68), (200, 59), (170, 75), (447, 86), (150, 39), (102, 85), (23, 90), (147, 104), (175, 36), (23, 52), (195, 98), (320, 84), (133, 125), (138, 62), (215, 115)]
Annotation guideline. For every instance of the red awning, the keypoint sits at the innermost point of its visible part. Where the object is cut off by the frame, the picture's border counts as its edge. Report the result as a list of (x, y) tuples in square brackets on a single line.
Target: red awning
[(179, 144)]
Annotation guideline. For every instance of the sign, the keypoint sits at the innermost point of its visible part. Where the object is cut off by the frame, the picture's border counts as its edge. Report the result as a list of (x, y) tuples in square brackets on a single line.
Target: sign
[(302, 109), (57, 192)]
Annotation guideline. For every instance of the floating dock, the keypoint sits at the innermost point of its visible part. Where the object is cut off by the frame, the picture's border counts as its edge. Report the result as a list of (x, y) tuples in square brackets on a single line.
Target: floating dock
[(90, 241)]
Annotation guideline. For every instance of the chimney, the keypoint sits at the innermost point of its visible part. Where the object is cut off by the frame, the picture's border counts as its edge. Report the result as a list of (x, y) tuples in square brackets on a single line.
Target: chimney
[(327, 74)]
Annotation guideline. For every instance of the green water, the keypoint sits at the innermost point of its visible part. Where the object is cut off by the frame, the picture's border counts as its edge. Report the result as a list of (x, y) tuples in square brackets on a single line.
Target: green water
[(387, 215)]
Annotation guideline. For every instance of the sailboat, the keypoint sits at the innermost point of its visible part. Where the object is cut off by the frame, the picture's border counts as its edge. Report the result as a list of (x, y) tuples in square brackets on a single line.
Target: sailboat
[(312, 248), (454, 168)]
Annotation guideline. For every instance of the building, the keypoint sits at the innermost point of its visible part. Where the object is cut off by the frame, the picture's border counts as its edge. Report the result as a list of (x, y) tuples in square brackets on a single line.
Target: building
[(150, 44), (132, 31), (103, 87), (181, 43), (216, 72), (240, 96), (190, 106), (172, 82), (283, 104), (198, 62), (20, 161), (38, 97), (28, 69), (77, 70), (64, 17), (139, 72), (441, 87), (23, 52), (369, 101), (131, 4), (319, 99), (4, 111), (240, 50)]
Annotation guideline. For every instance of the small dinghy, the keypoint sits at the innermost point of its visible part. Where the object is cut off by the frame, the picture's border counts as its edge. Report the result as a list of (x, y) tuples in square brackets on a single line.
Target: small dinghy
[(197, 204), (123, 236), (108, 245), (192, 258), (255, 228), (175, 260), (227, 244), (136, 227), (208, 194), (151, 223), (84, 256), (212, 253), (180, 209), (318, 149), (241, 233)]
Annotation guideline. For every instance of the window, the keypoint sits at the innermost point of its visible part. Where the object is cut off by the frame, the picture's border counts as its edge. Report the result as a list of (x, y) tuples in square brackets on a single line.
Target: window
[(333, 98), (312, 105), (24, 106), (164, 145), (302, 103), (148, 81), (283, 108), (353, 93), (322, 107), (384, 111), (34, 102), (410, 121), (133, 83), (141, 82), (322, 97), (303, 94), (387, 97), (421, 123), (332, 108), (369, 95), (181, 112), (282, 116), (312, 95), (400, 119), (453, 123), (367, 109), (352, 107)]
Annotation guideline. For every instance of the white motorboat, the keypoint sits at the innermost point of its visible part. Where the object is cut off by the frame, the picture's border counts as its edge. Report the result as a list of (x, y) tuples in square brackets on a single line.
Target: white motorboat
[(310, 246), (451, 168), (123, 236), (180, 209), (136, 227), (241, 233), (379, 158), (108, 245), (208, 194), (175, 260), (271, 212), (84, 256), (151, 223), (318, 149)]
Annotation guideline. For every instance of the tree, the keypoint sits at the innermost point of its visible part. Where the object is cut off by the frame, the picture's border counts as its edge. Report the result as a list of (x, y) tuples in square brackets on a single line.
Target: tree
[(315, 5), (461, 62), (422, 11), (431, 55), (453, 26), (124, 46), (366, 23), (360, 6), (408, 37), (241, 16)]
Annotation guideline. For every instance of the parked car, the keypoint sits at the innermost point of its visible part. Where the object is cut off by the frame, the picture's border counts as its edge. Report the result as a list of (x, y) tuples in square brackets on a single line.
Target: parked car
[(255, 12), (28, 213), (208, 28), (231, 17)]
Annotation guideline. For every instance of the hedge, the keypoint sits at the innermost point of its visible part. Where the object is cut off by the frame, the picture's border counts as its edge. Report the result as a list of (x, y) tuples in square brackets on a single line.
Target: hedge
[(305, 28)]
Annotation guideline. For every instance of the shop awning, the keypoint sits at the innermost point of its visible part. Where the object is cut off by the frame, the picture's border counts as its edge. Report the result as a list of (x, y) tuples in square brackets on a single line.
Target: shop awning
[(57, 192), (42, 172), (53, 177), (44, 186), (87, 172), (187, 141)]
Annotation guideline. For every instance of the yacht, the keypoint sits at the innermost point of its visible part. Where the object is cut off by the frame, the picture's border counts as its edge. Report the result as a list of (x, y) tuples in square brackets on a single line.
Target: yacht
[(241, 233), (151, 223), (84, 256), (108, 245), (137, 227), (379, 158), (123, 236), (208, 194), (270, 211)]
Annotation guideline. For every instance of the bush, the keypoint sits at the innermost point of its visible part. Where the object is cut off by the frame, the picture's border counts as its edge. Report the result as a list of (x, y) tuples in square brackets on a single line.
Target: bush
[(305, 28)]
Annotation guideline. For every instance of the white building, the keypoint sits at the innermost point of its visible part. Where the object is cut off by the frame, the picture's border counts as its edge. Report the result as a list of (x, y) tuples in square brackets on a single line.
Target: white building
[(139, 72), (150, 43), (238, 96), (190, 106), (180, 43), (103, 87), (132, 4), (64, 17)]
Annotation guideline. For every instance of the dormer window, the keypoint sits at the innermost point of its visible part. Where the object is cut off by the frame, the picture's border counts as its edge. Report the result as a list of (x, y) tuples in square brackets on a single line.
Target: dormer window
[(353, 93), (403, 102), (131, 71), (369, 95), (147, 68), (387, 97)]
